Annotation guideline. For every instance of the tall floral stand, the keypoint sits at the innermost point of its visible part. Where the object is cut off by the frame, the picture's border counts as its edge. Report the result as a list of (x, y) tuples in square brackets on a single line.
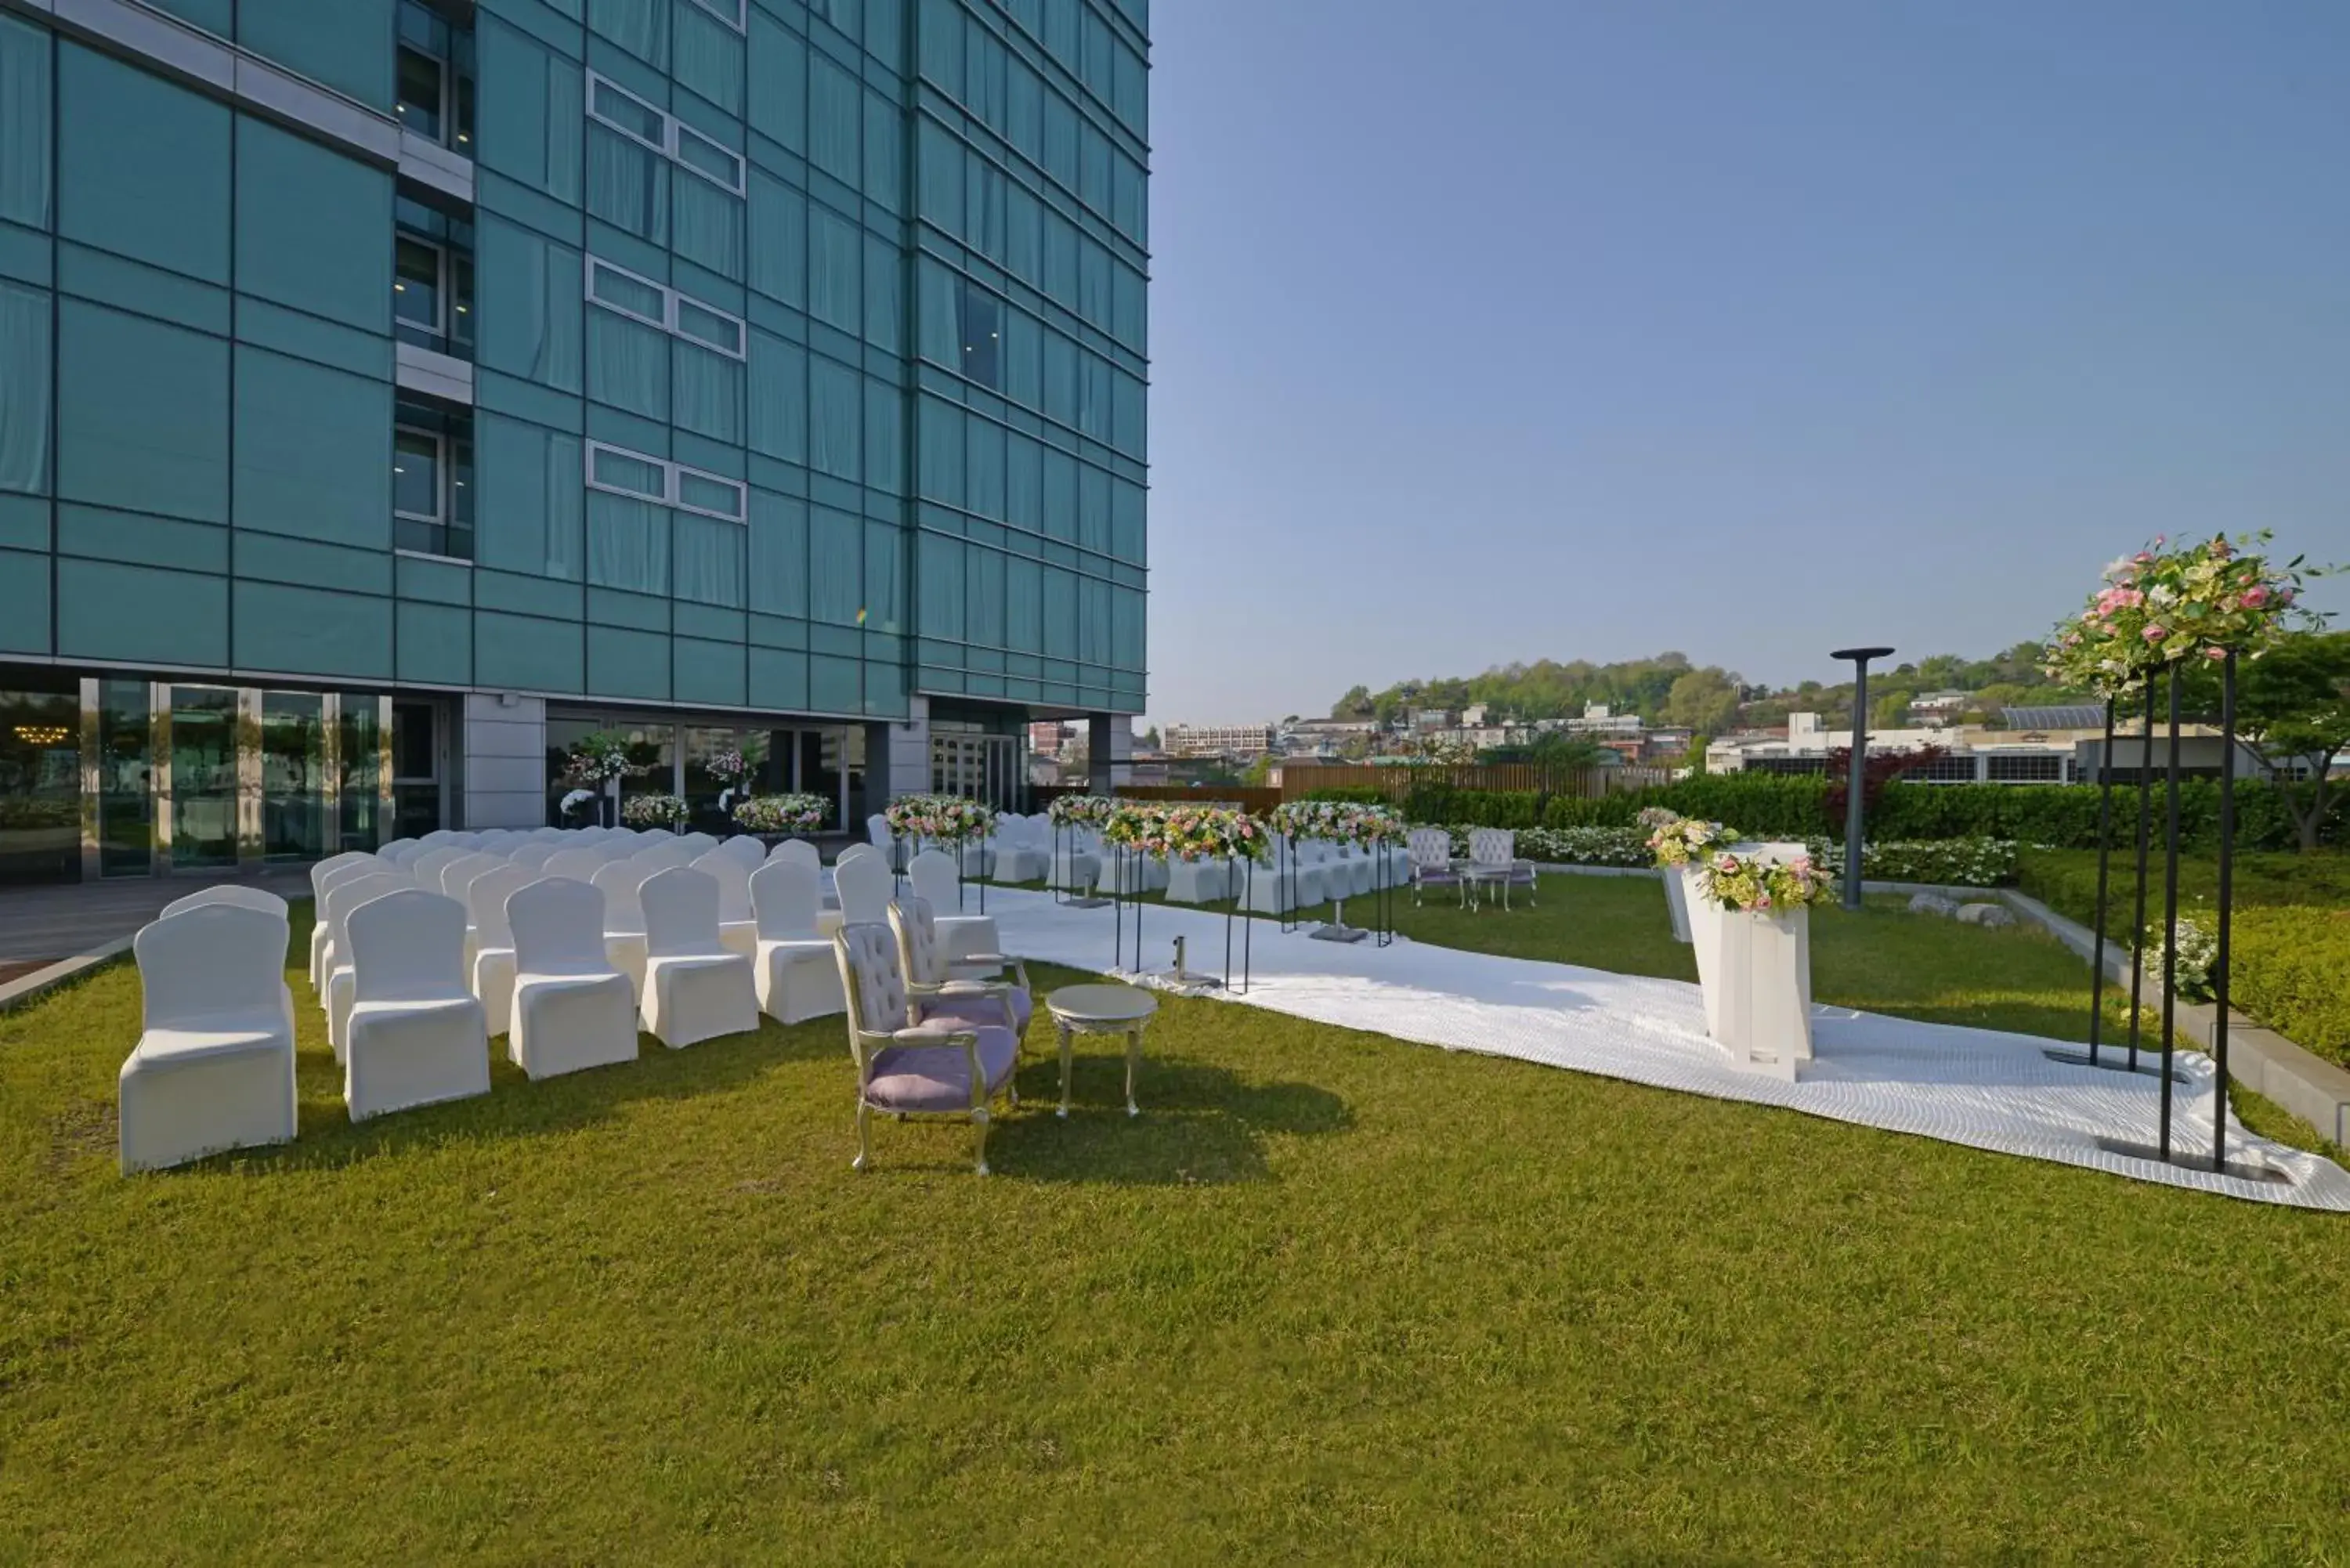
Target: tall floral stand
[(1754, 970), (1677, 900)]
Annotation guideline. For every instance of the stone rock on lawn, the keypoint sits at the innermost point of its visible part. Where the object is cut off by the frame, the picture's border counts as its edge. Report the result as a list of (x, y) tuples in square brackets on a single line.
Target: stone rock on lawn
[(1984, 915), (1933, 904)]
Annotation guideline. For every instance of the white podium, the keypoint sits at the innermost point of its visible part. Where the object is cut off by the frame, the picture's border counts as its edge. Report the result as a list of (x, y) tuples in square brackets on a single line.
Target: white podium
[(1755, 972)]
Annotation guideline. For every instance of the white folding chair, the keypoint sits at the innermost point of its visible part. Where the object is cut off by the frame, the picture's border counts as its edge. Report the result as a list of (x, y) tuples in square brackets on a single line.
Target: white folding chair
[(213, 1067), (793, 966), (799, 850), (737, 928), (745, 850), (415, 1036), (335, 996), (624, 920), (933, 872), (695, 987), (572, 1009), (862, 881), (492, 974)]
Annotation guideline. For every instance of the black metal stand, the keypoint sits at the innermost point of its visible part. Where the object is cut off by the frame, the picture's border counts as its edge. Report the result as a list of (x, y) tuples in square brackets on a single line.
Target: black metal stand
[(1287, 885), (1238, 909), (1121, 864), (2104, 858), (1383, 898), (2227, 906), (2144, 837)]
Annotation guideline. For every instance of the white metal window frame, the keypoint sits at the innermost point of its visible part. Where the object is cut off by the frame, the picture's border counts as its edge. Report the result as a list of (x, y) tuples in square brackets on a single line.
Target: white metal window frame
[(672, 132), (443, 283), (445, 133), (672, 304), (672, 475), (439, 517), (731, 12)]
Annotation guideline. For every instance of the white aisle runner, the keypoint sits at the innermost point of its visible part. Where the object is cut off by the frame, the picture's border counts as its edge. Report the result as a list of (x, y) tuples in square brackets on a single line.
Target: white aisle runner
[(1976, 1086)]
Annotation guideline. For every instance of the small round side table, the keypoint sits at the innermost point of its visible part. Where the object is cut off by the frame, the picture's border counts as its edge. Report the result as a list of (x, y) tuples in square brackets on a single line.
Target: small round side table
[(1101, 1010)]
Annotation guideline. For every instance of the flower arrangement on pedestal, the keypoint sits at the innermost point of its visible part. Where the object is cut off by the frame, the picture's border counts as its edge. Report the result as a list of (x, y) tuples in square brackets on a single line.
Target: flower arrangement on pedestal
[(2161, 607), (942, 818), (653, 811), (731, 768), (1682, 840), (1751, 885), (1215, 833), (1137, 826), (596, 760), (1080, 810), (783, 812)]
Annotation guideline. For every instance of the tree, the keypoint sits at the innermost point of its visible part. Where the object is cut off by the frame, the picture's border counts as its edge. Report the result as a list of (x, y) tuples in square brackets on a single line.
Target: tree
[(1705, 701), (1354, 704), (2293, 712), (1150, 738)]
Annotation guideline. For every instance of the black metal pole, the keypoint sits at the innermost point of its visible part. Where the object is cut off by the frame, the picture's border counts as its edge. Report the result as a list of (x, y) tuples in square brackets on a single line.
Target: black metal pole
[(1855, 800), (1248, 932), (2144, 838), (2169, 908), (2227, 902), (2104, 860), (1232, 904)]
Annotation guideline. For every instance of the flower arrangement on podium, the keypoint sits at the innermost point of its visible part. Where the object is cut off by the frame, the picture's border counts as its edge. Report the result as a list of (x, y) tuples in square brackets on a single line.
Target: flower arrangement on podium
[(1752, 885), (731, 768), (653, 811), (941, 818), (1678, 841), (1080, 810), (783, 812), (1302, 819), (2163, 606), (1135, 827)]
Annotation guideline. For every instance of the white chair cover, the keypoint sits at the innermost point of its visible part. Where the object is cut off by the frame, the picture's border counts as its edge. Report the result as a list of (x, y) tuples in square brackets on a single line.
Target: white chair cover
[(534, 855), (493, 971), (335, 996), (213, 1067), (744, 849), (862, 882), (933, 872), (736, 926), (260, 899), (793, 965), (695, 987), (624, 921), (797, 849), (578, 862), (416, 1035), (572, 1009)]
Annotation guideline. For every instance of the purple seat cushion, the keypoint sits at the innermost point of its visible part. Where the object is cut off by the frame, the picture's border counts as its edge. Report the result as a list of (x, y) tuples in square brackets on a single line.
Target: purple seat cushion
[(1436, 874), (938, 1077), (982, 1008)]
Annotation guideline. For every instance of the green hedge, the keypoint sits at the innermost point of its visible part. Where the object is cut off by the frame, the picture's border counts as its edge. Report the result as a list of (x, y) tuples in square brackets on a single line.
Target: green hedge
[(2292, 969), (2063, 817)]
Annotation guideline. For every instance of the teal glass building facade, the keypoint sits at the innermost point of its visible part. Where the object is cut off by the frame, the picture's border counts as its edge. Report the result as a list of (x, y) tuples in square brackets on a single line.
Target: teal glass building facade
[(704, 367)]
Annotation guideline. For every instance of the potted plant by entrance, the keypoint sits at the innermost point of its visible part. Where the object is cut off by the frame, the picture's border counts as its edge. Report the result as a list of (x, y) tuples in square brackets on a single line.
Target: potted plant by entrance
[(1752, 922), (1679, 843)]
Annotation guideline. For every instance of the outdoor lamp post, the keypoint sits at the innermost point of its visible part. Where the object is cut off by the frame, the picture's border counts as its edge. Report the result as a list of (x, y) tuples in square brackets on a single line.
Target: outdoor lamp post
[(1860, 658)]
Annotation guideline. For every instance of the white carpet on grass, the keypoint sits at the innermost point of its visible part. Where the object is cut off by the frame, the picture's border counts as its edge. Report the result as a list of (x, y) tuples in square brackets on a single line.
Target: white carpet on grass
[(1981, 1088)]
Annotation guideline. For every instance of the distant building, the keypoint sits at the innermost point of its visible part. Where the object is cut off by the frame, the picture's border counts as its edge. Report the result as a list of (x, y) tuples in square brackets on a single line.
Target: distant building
[(1933, 709), (1219, 740), (2049, 745), (1600, 719)]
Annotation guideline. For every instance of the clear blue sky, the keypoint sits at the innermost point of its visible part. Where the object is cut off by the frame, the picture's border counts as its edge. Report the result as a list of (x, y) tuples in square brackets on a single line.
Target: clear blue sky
[(1499, 329)]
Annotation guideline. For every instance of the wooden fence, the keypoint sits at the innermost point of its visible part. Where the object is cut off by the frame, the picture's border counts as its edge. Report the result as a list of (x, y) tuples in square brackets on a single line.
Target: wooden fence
[(1298, 781)]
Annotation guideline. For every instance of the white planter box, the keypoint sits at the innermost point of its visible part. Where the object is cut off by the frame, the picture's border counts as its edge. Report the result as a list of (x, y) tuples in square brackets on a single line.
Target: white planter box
[(1676, 899), (1755, 972)]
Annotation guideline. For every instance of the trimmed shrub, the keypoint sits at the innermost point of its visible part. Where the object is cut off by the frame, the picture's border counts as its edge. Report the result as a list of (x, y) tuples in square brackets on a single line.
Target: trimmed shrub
[(2292, 972), (1355, 794)]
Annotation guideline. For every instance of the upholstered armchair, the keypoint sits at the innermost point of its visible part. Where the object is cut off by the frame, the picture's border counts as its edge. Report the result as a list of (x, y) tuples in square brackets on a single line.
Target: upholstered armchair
[(940, 1066), (1431, 860), (1499, 847)]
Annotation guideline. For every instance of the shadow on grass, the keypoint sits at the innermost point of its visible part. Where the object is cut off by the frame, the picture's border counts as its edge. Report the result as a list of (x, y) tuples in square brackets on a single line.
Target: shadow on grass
[(517, 1108), (1201, 1126)]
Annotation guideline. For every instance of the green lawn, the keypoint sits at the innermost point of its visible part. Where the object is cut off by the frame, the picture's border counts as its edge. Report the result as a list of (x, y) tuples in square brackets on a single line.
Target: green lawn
[(1334, 1298)]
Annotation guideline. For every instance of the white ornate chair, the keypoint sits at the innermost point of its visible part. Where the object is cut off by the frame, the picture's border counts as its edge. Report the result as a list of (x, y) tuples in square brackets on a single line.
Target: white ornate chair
[(944, 1068), (1432, 861), (1497, 847), (941, 985)]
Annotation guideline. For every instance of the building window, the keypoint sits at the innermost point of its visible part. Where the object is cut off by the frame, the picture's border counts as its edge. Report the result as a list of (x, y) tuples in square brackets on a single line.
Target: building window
[(641, 299), (433, 89), (433, 482), (982, 321), (727, 10), (416, 288), (620, 109), (432, 280), (619, 471)]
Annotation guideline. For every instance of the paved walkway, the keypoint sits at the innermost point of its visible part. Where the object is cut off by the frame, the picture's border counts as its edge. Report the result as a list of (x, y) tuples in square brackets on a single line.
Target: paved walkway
[(39, 926)]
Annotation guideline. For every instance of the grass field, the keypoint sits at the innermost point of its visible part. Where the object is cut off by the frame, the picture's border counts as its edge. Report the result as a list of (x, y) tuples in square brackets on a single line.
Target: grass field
[(1334, 1298)]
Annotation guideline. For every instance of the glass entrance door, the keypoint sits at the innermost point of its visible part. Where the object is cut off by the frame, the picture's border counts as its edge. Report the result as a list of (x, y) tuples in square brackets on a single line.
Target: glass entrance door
[(125, 778), (293, 776), (978, 767), (203, 830)]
